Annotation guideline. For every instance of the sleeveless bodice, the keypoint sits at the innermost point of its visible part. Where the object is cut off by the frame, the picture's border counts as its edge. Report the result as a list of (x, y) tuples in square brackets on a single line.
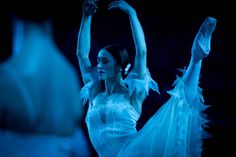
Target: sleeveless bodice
[(111, 121)]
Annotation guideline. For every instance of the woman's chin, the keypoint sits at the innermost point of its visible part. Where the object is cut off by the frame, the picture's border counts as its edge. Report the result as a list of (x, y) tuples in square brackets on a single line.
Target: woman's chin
[(101, 78)]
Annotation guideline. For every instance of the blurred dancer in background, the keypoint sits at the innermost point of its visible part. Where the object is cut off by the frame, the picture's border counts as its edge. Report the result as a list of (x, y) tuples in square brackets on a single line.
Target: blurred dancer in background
[(40, 111)]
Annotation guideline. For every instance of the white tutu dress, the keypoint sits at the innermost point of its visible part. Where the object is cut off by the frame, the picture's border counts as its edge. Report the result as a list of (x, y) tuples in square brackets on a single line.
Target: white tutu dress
[(175, 130)]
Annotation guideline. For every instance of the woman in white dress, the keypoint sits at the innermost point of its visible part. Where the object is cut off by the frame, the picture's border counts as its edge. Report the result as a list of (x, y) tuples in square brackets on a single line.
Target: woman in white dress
[(115, 104)]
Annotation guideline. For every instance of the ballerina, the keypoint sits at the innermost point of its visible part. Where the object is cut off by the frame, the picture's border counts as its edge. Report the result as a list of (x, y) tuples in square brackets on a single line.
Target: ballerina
[(115, 103)]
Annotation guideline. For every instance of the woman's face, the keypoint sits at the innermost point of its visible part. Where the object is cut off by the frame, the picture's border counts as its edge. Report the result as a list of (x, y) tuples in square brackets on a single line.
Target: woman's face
[(107, 66)]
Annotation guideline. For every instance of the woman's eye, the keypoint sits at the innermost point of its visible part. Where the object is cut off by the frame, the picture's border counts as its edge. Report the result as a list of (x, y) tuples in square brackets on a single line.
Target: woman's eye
[(105, 61), (102, 61)]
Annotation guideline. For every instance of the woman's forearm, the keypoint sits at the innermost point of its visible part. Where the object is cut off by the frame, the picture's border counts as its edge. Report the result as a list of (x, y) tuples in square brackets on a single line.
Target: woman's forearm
[(84, 37)]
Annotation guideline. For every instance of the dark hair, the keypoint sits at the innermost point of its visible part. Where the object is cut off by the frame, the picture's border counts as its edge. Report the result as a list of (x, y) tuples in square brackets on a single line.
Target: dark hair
[(120, 54)]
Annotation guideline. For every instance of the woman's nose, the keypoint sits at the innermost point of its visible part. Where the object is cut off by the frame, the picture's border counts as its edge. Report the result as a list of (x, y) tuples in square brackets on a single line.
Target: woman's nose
[(99, 66)]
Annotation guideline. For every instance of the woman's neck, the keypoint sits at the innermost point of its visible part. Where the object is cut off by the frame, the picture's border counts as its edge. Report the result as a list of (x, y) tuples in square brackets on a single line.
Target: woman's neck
[(113, 85)]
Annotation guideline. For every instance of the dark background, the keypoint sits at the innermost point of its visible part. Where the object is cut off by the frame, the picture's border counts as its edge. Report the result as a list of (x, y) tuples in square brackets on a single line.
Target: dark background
[(170, 28)]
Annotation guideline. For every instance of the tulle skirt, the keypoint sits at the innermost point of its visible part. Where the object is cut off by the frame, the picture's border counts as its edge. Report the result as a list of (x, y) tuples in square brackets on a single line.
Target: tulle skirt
[(175, 130)]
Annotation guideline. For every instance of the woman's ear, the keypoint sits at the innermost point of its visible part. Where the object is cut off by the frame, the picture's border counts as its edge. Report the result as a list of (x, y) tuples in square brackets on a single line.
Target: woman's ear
[(118, 69)]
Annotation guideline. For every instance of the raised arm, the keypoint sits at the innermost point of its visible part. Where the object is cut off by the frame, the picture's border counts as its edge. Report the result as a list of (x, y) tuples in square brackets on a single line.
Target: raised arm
[(138, 36), (140, 47), (83, 43)]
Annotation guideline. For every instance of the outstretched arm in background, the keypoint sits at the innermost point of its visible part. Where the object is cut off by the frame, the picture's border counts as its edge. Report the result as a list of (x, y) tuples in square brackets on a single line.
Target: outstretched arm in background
[(84, 38), (200, 49)]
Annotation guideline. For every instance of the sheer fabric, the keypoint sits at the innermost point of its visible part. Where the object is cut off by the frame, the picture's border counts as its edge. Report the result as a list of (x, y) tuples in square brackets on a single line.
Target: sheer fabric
[(175, 129)]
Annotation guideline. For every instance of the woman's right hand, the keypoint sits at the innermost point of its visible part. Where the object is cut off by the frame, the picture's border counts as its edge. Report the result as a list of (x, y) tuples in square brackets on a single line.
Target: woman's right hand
[(89, 7)]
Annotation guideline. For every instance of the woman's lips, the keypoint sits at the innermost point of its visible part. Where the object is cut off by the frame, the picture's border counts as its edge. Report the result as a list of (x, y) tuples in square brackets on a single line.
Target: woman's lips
[(100, 72)]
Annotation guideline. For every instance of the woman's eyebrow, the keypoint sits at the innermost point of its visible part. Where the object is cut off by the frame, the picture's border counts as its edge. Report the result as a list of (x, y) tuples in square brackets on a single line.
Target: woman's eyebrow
[(102, 58)]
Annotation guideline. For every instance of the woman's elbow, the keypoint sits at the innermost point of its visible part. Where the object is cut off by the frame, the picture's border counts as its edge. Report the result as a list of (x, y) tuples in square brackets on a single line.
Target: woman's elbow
[(142, 51)]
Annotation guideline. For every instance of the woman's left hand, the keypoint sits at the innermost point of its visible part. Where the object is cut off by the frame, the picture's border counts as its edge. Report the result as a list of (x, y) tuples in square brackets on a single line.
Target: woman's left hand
[(122, 5)]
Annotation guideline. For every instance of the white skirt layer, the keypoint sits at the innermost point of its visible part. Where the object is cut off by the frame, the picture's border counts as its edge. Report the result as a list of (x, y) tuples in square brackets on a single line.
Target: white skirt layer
[(175, 130)]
